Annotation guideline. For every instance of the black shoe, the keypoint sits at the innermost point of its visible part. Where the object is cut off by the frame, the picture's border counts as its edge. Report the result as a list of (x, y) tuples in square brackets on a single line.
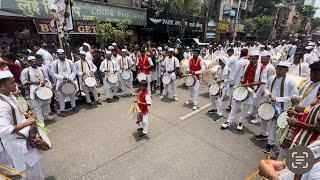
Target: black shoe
[(140, 129), (228, 109), (261, 137), (98, 102), (217, 117), (116, 97), (212, 111), (76, 109), (268, 149), (62, 114), (90, 104), (142, 135), (108, 100)]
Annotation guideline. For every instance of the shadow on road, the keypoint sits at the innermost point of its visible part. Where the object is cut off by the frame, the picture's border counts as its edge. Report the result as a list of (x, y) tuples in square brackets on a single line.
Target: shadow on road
[(137, 138)]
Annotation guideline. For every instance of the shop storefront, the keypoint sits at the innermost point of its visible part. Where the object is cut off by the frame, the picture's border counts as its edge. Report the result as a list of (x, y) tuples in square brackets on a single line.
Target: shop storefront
[(163, 26)]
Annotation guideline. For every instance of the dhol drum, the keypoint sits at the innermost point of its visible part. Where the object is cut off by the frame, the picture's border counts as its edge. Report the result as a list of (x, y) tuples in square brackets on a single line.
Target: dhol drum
[(112, 78), (125, 75), (240, 94), (166, 79), (210, 63), (266, 111), (90, 81), (23, 103), (209, 75), (67, 87), (141, 76), (44, 93), (282, 121), (300, 81), (184, 67), (190, 80), (214, 89)]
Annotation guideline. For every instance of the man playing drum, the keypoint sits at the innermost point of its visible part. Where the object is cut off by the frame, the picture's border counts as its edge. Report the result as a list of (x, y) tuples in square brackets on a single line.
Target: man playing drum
[(144, 65), (64, 71), (309, 93), (109, 67), (252, 77), (126, 64), (279, 90), (170, 67), (85, 69), (23, 159), (195, 68), (34, 78), (224, 80)]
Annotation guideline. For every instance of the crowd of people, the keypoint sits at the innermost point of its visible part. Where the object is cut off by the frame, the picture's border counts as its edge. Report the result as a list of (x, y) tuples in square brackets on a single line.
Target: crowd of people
[(276, 84)]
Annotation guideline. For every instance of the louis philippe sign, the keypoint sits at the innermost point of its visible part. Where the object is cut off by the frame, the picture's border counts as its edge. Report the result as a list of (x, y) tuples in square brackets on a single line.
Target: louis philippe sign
[(40, 9)]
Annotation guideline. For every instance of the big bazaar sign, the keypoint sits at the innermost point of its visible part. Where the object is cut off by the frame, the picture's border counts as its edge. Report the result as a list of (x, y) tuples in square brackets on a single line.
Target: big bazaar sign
[(79, 27)]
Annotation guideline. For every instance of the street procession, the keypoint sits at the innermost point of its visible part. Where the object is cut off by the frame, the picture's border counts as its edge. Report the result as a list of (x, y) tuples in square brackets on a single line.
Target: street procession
[(129, 101)]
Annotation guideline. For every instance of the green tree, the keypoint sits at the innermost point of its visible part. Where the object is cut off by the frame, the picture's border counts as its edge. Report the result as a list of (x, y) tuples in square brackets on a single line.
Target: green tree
[(114, 32), (265, 7), (315, 23), (308, 11), (261, 24)]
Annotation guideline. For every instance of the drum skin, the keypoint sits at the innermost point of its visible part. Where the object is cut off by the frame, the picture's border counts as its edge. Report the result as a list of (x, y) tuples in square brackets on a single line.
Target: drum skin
[(240, 94), (189, 81), (44, 93), (266, 111)]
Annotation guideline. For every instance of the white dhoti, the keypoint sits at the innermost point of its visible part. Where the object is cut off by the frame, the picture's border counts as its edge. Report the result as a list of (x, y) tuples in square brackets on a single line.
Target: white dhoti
[(145, 124), (61, 99), (111, 89), (42, 108), (127, 85), (269, 128), (87, 90), (194, 93)]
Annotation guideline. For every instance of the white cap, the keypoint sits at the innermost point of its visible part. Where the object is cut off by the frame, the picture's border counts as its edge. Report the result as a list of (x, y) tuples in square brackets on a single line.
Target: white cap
[(188, 47), (88, 45), (219, 45), (309, 47), (265, 53), (114, 44), (171, 50), (5, 74), (296, 40), (123, 50), (108, 52), (309, 39), (283, 41), (30, 58), (254, 53), (284, 63), (110, 48), (159, 48), (311, 44), (269, 46), (82, 52), (223, 59), (60, 51), (243, 43)]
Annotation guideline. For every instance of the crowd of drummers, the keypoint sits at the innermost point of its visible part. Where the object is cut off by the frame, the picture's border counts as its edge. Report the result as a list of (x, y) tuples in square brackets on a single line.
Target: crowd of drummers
[(274, 84)]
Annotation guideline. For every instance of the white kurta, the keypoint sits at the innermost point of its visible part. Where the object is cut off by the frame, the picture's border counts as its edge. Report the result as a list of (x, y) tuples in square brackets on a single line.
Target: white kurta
[(290, 90), (231, 62), (170, 64), (63, 69), (87, 66), (47, 57), (112, 67), (17, 149), (309, 93), (239, 70), (89, 56), (301, 69)]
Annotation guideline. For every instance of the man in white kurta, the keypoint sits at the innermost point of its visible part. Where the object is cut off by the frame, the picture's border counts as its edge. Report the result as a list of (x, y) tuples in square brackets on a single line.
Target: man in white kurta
[(280, 101), (299, 68), (63, 70), (170, 67), (47, 57), (252, 80), (108, 66), (224, 79), (34, 77), (187, 55), (87, 48), (22, 158), (126, 64), (85, 68), (117, 59)]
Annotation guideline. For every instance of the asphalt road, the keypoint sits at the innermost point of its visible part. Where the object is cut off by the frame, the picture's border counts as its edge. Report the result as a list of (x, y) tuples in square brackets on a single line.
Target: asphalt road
[(102, 143)]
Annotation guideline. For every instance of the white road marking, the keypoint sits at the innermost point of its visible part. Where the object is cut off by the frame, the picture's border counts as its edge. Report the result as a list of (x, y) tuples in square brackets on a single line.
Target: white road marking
[(195, 112)]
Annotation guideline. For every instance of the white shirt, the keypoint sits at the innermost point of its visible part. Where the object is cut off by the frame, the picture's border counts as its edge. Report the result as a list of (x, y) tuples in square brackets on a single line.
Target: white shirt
[(108, 65), (89, 56), (33, 75), (301, 69), (62, 69), (309, 93), (87, 66), (290, 90), (16, 148), (187, 55), (231, 62), (224, 74), (47, 57), (170, 64), (313, 174), (292, 50), (239, 70), (219, 53), (126, 62)]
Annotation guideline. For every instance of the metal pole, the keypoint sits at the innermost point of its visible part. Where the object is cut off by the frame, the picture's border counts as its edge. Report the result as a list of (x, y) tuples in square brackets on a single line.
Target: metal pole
[(237, 19)]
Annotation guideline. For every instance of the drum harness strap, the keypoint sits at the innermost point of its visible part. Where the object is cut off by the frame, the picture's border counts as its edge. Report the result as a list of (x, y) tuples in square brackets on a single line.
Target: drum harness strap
[(281, 88)]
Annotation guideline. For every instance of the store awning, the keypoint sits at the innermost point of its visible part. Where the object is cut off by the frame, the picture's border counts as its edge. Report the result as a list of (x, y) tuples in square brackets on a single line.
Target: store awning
[(7, 14)]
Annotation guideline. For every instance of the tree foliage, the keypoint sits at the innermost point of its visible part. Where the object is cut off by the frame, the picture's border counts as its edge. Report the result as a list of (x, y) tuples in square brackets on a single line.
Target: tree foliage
[(308, 11), (265, 7), (315, 23), (109, 33), (261, 24)]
